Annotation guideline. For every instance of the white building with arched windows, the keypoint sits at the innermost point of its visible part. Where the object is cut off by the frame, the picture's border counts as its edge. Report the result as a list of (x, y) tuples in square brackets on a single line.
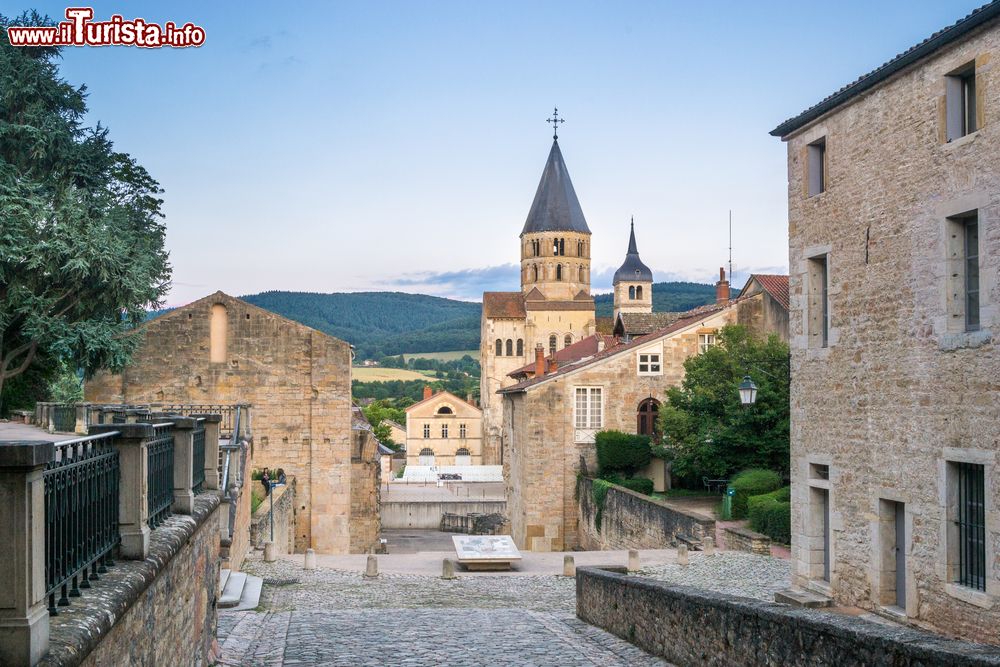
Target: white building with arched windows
[(443, 430)]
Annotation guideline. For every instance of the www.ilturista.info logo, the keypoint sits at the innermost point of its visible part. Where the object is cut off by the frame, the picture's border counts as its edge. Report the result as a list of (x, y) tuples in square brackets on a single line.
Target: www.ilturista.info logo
[(80, 30)]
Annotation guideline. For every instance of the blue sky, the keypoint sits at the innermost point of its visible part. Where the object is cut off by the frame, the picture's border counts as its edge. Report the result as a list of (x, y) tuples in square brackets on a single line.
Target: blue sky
[(349, 146)]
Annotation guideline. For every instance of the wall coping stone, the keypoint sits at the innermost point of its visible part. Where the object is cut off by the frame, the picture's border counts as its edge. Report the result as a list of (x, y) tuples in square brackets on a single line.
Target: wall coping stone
[(907, 645), (691, 514), (25, 453), (746, 532), (81, 627), (137, 431)]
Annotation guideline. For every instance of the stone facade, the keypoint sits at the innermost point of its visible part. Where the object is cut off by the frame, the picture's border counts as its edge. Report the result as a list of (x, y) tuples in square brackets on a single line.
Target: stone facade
[(693, 626), (448, 426), (896, 391), (282, 504), (631, 520), (744, 539), (366, 474), (223, 350)]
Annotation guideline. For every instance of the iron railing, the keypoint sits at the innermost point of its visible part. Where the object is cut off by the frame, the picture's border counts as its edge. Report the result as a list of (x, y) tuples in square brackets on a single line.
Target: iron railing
[(64, 418), (230, 414), (972, 525), (160, 476), (198, 458), (81, 515)]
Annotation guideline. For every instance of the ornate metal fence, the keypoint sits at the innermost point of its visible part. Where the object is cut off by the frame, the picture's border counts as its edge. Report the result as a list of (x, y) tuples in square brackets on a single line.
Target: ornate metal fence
[(160, 477), (64, 418), (198, 458), (229, 413), (81, 515)]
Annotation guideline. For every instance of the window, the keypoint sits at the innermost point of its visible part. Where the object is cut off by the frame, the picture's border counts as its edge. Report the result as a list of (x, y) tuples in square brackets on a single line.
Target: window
[(217, 326), (461, 431), (971, 273), (817, 166), (646, 417), (819, 302), (649, 363), (534, 273), (967, 543), (631, 291), (589, 412), (510, 347), (579, 248), (558, 271), (568, 340), (520, 347), (463, 457), (638, 292), (427, 430), (705, 341), (499, 346), (960, 102), (445, 410), (552, 344), (426, 457), (583, 275), (444, 430)]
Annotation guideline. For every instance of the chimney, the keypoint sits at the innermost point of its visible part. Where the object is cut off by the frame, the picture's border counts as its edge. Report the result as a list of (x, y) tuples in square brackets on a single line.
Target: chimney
[(428, 392), (539, 361), (722, 287), (600, 343), (553, 364)]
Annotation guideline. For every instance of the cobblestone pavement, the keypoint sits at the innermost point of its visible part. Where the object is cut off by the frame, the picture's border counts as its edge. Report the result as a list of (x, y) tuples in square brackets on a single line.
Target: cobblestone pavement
[(332, 617), (731, 572)]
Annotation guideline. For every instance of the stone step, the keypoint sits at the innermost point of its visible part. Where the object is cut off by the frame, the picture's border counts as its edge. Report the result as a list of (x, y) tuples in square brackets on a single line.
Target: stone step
[(251, 594), (800, 598), (224, 578), (233, 591)]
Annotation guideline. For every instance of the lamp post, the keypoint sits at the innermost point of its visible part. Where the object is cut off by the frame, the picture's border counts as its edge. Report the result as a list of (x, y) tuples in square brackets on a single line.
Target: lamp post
[(748, 392)]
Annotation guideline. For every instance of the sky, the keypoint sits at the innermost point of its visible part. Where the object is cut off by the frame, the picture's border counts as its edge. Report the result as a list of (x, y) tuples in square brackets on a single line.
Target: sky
[(354, 146)]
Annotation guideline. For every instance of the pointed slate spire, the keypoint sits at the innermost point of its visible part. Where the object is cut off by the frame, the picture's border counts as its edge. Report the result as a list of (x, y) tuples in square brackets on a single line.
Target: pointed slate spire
[(633, 270), (555, 207)]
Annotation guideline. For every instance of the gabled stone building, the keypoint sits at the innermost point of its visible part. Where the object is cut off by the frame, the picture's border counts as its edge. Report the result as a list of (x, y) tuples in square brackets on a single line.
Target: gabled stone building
[(894, 244), (224, 350), (443, 430)]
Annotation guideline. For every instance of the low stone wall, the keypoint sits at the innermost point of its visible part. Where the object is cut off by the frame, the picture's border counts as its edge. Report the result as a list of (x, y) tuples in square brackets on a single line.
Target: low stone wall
[(239, 546), (631, 520), (689, 626), (427, 515), (475, 524), (284, 520), (157, 611), (744, 539)]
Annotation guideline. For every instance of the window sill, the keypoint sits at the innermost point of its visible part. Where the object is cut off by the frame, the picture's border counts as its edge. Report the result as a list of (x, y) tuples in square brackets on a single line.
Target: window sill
[(649, 375), (961, 141), (973, 597), (964, 340)]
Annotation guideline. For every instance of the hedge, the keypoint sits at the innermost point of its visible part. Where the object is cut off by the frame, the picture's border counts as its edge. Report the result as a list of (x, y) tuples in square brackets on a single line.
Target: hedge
[(637, 484), (624, 453), (753, 482), (771, 514)]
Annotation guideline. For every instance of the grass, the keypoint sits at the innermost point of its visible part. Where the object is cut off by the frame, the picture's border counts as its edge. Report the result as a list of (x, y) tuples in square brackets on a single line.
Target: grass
[(378, 374), (684, 493), (443, 356)]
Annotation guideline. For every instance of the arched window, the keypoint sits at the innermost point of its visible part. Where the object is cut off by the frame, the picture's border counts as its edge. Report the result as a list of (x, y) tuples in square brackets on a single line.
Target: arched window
[(583, 275), (217, 327), (568, 340), (499, 347), (646, 416), (426, 457), (534, 273), (510, 347), (463, 457), (520, 347), (552, 344), (579, 248), (558, 271), (445, 410), (562, 246), (631, 291), (638, 292)]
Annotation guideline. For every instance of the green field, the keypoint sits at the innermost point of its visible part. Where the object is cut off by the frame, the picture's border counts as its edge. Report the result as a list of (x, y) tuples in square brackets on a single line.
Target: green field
[(378, 374), (442, 356)]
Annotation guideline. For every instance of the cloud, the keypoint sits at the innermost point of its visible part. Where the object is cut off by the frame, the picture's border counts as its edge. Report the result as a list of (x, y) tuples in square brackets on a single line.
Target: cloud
[(466, 284)]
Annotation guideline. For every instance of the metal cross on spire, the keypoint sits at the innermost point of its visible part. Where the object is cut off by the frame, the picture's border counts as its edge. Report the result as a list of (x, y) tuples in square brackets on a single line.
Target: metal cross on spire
[(555, 120)]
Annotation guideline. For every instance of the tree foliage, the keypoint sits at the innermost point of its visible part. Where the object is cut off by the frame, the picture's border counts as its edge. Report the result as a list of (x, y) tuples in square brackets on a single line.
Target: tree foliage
[(672, 297), (706, 430), (378, 414), (624, 453), (82, 253)]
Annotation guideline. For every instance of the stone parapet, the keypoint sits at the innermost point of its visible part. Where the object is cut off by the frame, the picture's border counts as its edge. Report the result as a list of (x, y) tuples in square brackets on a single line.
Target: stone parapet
[(744, 539)]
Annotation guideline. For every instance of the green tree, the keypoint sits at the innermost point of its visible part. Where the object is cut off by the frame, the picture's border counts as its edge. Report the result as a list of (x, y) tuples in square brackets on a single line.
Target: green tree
[(82, 252), (707, 432), (378, 415)]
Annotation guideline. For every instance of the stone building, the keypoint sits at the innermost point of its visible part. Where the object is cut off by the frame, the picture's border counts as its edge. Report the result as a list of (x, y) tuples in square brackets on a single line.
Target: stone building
[(894, 226), (443, 430), (223, 350), (557, 404)]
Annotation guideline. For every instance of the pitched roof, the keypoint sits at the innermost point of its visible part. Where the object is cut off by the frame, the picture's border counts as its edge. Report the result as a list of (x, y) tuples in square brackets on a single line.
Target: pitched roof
[(503, 304), (443, 394), (632, 269), (555, 207), (925, 48), (775, 285), (638, 324), (581, 349), (604, 325)]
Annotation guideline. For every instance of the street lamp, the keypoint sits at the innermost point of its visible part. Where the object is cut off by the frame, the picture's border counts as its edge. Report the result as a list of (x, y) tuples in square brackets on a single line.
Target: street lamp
[(748, 391)]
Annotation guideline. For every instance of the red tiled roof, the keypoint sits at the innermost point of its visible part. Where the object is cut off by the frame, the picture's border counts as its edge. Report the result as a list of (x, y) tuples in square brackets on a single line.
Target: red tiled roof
[(503, 304), (605, 325), (775, 285), (581, 349)]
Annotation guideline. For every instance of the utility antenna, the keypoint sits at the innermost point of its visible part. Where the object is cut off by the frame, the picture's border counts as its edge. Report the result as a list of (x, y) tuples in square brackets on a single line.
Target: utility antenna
[(730, 244)]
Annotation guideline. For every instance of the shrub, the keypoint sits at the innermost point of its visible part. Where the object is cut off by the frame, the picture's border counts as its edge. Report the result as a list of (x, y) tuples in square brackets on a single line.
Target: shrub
[(771, 514), (753, 482), (599, 491), (637, 484), (624, 453)]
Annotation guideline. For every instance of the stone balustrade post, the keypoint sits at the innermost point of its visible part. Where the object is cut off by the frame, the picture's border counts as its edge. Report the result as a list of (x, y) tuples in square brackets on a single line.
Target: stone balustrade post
[(24, 618), (213, 427), (133, 486), (183, 459), (82, 418)]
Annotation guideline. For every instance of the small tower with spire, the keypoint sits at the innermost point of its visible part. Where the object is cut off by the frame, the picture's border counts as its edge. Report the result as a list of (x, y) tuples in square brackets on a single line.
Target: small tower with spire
[(633, 282)]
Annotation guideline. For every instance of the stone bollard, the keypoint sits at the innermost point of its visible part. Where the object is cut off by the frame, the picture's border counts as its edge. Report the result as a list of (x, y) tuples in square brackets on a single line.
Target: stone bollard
[(310, 563), (371, 571), (569, 566), (633, 560), (448, 569), (682, 554), (269, 555), (708, 546)]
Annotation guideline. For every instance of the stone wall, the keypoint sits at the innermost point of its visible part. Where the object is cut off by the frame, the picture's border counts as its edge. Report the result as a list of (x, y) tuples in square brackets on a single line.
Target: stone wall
[(284, 520), (145, 612), (366, 471), (239, 546), (631, 520), (901, 389), (744, 539), (427, 515), (689, 626)]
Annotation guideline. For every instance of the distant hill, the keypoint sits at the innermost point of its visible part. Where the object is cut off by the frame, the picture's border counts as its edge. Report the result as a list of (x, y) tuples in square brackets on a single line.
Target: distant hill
[(674, 297)]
